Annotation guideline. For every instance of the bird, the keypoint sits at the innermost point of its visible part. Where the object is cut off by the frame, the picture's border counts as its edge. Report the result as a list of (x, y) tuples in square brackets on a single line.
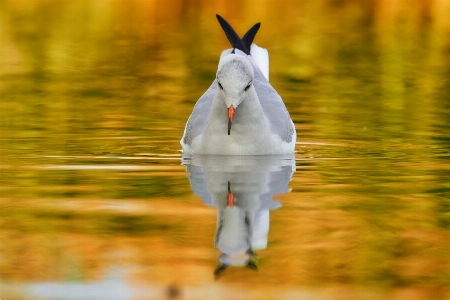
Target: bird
[(240, 113)]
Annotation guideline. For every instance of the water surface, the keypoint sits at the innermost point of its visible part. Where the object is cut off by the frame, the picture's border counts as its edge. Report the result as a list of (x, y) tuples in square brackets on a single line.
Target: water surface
[(96, 201)]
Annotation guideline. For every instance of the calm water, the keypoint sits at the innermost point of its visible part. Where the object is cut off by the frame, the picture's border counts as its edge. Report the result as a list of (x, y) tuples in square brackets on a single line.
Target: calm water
[(96, 201)]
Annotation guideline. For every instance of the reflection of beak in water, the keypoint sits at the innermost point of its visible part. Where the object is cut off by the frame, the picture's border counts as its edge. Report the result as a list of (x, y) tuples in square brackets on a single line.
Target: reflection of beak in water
[(233, 236), (230, 199), (242, 190)]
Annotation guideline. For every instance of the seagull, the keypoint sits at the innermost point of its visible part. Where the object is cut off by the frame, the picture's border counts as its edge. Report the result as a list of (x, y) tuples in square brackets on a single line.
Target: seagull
[(240, 113)]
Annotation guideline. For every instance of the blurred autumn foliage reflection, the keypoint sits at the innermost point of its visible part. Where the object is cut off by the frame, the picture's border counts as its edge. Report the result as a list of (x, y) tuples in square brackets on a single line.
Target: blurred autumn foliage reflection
[(109, 84)]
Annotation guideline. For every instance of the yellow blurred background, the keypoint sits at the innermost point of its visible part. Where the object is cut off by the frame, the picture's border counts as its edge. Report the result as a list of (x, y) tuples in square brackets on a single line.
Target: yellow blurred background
[(81, 81)]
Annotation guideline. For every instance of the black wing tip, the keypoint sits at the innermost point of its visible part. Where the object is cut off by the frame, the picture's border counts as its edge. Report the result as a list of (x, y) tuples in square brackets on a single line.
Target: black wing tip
[(249, 36), (220, 19), (243, 44), (231, 34)]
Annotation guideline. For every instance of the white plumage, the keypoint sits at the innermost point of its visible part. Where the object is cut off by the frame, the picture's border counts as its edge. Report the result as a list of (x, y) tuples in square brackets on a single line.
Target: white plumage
[(240, 113)]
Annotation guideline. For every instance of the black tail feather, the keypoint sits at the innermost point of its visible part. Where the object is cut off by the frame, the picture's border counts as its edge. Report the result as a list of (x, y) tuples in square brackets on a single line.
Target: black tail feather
[(236, 42)]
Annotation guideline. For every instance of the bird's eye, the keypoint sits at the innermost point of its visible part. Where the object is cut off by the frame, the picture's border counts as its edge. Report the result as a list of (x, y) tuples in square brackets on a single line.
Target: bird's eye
[(221, 87), (248, 86)]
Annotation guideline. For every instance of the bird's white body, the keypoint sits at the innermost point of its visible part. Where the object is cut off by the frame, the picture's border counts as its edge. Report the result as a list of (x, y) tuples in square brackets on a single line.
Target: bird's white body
[(261, 124)]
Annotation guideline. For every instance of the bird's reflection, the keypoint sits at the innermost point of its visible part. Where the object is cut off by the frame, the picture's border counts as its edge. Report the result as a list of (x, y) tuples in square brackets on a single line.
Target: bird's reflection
[(241, 188)]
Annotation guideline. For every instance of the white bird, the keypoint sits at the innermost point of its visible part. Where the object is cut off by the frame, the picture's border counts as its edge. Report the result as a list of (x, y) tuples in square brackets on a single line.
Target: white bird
[(240, 113)]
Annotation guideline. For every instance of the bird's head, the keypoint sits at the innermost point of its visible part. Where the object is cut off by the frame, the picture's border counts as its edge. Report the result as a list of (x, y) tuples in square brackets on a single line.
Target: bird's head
[(234, 79)]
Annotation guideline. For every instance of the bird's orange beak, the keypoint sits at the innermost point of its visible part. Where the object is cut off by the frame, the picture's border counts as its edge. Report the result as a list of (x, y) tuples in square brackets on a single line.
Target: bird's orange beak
[(230, 198), (231, 110)]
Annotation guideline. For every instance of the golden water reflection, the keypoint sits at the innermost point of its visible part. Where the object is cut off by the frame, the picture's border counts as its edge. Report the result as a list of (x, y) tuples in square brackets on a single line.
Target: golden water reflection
[(94, 199)]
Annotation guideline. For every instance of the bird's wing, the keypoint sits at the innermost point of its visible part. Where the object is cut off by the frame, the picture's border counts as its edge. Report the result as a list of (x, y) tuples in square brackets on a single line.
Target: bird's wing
[(261, 57), (273, 106), (198, 120)]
